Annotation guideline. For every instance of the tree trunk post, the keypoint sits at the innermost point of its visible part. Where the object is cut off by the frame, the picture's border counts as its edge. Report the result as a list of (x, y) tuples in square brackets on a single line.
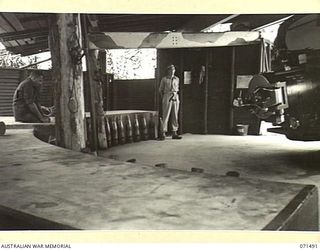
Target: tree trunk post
[(97, 81), (65, 46)]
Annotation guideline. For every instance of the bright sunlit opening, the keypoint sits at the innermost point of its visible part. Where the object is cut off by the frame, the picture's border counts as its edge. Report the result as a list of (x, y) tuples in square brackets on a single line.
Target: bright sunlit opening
[(222, 27), (132, 63)]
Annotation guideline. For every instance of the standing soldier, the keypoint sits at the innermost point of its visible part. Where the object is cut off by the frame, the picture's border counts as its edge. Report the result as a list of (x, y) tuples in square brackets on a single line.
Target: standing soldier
[(169, 87)]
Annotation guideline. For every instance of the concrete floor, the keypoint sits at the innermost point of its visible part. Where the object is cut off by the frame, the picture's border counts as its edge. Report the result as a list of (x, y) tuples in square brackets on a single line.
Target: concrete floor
[(45, 187), (268, 157)]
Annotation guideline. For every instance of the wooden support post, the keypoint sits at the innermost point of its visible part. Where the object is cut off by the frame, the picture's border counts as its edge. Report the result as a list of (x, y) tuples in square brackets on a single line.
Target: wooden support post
[(181, 77), (97, 87), (102, 58), (206, 92), (91, 89), (157, 100), (232, 87), (102, 66), (64, 41)]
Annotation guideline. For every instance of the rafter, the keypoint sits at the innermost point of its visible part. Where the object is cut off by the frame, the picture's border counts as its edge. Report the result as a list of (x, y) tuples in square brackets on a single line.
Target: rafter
[(18, 35), (33, 17), (29, 48)]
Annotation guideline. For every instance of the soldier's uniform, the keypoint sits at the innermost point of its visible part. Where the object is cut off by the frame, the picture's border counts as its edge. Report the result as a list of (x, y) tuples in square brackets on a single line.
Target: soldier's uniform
[(26, 93), (169, 88)]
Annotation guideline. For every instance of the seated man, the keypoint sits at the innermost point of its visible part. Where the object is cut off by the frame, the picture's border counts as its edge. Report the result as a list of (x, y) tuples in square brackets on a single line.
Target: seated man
[(26, 106)]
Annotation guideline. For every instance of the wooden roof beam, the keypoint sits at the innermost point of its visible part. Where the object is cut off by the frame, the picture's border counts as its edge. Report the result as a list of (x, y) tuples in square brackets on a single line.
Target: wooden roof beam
[(33, 51), (33, 17), (14, 21), (29, 48), (24, 34)]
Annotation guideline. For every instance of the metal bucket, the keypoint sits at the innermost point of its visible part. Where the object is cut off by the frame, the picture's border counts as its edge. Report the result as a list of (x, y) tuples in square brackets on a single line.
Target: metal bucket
[(242, 129)]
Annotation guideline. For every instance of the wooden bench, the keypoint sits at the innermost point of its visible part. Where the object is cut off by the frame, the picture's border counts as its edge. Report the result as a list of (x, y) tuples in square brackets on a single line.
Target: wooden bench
[(8, 122)]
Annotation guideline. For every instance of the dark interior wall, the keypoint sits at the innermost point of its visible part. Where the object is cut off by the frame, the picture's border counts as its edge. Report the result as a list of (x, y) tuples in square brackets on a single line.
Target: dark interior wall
[(124, 94), (193, 105), (219, 86), (133, 94)]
